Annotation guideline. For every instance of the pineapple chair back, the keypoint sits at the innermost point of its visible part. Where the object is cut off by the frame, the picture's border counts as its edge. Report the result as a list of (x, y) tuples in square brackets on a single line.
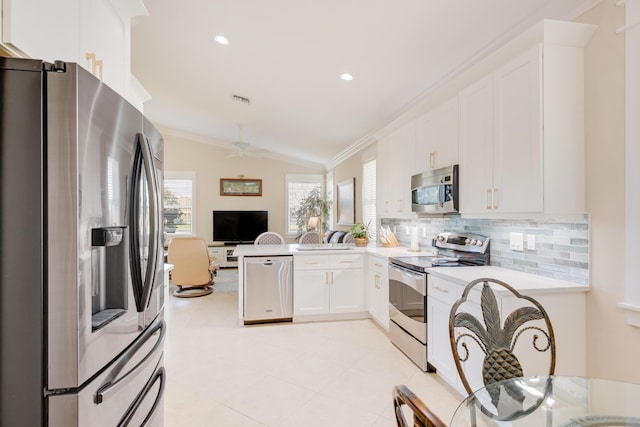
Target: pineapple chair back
[(492, 338)]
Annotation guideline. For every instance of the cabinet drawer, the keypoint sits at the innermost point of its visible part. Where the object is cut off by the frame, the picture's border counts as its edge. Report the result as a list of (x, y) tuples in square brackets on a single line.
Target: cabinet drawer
[(216, 253), (441, 289), (378, 265), (311, 262), (347, 261)]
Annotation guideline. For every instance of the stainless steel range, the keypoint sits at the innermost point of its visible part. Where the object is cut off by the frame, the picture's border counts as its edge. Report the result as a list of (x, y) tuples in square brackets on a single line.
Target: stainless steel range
[(408, 289)]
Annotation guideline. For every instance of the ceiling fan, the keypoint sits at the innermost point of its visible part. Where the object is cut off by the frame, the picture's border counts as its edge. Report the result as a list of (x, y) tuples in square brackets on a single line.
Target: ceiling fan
[(242, 148)]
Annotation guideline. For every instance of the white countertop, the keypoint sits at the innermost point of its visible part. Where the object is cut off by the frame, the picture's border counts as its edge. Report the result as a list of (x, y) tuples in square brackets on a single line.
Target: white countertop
[(292, 249), (523, 282)]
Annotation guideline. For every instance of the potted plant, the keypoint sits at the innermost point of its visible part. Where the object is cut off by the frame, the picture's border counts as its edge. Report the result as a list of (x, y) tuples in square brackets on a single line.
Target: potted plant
[(361, 233), (313, 205)]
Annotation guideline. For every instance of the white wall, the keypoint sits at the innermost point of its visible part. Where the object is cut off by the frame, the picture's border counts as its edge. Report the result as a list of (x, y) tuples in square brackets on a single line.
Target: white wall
[(210, 163), (612, 344)]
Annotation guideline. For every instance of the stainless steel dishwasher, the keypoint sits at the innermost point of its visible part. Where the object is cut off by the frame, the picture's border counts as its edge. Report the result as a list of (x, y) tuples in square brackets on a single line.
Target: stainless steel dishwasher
[(268, 289)]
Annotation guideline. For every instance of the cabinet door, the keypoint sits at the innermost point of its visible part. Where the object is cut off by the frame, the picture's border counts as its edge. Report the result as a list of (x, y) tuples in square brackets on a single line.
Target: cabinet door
[(437, 137), (379, 298), (42, 29), (311, 293), (476, 147), (401, 167), (382, 177), (103, 33), (347, 291), (373, 286), (438, 344), (517, 136)]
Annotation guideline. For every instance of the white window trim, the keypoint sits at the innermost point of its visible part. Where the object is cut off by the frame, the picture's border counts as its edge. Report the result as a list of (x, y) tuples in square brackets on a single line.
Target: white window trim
[(311, 178), (190, 175)]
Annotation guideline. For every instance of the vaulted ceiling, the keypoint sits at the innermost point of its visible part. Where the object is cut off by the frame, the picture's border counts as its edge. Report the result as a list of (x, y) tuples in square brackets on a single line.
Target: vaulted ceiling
[(287, 56)]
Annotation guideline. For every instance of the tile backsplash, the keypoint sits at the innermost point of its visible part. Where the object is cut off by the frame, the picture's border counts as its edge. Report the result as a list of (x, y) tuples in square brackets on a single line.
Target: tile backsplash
[(561, 246)]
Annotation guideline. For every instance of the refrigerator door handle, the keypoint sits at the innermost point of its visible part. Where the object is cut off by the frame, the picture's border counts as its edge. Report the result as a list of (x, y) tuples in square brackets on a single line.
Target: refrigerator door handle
[(159, 375), (115, 381), (143, 171)]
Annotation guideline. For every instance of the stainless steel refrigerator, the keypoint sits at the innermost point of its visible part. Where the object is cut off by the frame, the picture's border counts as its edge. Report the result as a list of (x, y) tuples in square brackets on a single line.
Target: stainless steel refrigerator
[(81, 277)]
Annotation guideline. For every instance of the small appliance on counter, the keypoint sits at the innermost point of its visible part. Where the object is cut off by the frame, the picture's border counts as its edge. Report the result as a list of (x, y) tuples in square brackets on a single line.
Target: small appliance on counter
[(408, 289)]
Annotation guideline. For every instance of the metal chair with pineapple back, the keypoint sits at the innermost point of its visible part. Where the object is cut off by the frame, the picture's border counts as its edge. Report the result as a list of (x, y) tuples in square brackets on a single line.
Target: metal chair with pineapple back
[(495, 342)]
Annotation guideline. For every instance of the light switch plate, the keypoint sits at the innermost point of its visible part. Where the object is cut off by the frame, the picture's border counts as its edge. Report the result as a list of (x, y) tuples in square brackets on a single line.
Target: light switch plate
[(516, 241), (531, 242)]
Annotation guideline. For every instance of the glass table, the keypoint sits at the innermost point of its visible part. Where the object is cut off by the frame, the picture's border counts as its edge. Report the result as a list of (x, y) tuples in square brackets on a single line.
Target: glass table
[(551, 401)]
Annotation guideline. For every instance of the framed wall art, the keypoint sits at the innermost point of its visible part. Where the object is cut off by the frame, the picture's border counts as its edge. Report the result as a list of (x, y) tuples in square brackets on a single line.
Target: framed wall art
[(240, 187), (346, 196)]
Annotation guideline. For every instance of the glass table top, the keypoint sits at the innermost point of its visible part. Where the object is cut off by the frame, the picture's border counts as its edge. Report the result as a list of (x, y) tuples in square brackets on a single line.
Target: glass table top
[(551, 401)]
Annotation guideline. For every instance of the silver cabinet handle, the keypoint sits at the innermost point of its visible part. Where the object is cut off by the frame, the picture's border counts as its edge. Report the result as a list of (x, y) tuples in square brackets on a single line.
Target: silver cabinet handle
[(437, 288)]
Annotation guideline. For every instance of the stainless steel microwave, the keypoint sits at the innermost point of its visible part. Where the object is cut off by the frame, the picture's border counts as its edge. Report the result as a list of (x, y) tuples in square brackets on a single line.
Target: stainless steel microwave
[(435, 192)]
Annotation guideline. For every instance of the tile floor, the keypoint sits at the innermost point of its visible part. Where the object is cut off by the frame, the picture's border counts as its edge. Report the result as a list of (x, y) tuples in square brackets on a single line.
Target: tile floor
[(302, 374)]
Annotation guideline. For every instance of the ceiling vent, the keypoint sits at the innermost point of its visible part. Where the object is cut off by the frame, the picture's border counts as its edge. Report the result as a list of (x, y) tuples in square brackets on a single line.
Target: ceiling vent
[(241, 99)]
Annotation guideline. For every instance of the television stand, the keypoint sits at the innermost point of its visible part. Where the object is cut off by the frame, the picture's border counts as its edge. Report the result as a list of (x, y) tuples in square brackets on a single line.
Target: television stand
[(224, 252)]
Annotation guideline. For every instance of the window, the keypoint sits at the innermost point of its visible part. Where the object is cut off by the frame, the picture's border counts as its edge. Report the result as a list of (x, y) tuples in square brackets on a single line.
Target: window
[(369, 197), (179, 199), (298, 188)]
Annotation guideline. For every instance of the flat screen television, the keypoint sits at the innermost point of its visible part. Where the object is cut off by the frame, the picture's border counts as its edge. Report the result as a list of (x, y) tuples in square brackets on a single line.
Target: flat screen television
[(239, 226)]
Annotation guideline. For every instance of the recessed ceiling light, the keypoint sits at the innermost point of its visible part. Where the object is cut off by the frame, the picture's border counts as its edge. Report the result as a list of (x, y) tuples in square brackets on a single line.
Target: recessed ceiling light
[(222, 40), (346, 76)]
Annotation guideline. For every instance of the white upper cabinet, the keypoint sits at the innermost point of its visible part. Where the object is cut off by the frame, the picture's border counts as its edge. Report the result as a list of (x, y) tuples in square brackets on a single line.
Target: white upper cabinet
[(522, 147), (437, 137), (41, 29), (94, 33), (501, 146), (476, 146), (105, 42), (398, 152), (102, 44)]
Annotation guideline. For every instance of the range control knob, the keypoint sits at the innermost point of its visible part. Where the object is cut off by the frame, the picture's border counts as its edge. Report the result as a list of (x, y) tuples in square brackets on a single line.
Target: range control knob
[(479, 243), (467, 242), (472, 241), (440, 238)]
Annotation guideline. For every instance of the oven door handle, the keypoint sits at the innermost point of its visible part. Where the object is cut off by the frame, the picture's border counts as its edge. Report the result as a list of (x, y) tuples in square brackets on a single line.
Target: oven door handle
[(414, 279)]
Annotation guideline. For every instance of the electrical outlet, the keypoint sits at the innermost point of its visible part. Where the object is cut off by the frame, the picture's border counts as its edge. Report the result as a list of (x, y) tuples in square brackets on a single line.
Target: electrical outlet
[(424, 231), (516, 241), (531, 242), (406, 230)]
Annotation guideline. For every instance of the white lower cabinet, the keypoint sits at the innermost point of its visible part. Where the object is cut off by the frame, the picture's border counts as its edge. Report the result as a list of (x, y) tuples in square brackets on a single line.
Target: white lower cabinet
[(325, 284), (378, 290), (566, 311), (441, 296)]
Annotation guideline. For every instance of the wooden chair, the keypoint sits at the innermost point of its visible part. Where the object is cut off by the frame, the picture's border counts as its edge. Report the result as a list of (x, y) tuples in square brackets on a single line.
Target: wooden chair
[(193, 272), (497, 339), (422, 416)]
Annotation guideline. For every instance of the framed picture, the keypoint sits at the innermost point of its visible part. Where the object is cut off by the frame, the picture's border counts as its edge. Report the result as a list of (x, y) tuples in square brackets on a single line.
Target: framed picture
[(240, 187), (346, 196)]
